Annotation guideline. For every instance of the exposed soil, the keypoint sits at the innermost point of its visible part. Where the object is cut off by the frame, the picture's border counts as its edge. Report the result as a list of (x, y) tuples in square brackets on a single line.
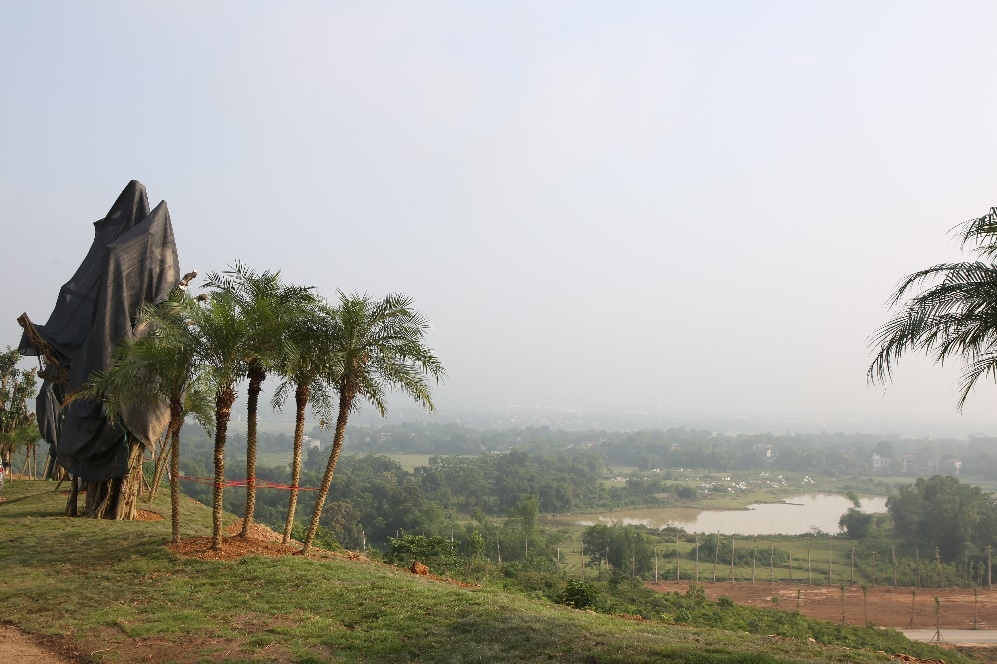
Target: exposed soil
[(18, 648), (886, 606)]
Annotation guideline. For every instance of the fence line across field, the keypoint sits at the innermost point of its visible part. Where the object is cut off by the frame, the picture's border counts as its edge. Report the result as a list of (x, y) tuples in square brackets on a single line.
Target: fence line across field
[(904, 573)]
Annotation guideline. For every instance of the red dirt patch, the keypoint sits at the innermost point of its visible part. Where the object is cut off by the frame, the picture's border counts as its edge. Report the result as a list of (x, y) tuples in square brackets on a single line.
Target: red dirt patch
[(419, 568), (146, 515), (886, 606)]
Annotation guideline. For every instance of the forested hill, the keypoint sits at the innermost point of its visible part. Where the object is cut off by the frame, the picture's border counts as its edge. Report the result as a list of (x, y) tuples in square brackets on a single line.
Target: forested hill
[(683, 448)]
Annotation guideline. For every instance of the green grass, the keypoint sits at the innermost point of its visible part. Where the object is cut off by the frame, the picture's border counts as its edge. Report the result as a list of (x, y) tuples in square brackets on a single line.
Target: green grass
[(113, 593)]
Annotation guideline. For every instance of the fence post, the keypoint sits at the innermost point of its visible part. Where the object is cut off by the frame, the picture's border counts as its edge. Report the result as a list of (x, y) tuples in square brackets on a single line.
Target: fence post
[(830, 559), (678, 564), (716, 557), (732, 559), (893, 553), (697, 557), (810, 578), (754, 561)]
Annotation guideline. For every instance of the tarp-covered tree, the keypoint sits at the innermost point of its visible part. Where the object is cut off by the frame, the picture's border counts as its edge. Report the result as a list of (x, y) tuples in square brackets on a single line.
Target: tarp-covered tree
[(132, 262)]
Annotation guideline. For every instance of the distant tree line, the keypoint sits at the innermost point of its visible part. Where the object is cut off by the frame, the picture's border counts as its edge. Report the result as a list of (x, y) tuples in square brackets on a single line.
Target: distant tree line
[(833, 453), (374, 497)]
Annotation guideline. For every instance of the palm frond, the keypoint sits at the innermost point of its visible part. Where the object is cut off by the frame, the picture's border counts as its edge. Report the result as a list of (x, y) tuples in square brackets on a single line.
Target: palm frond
[(953, 316)]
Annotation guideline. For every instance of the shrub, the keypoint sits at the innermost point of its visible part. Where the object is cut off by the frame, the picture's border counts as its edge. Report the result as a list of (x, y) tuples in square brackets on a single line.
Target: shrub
[(579, 594)]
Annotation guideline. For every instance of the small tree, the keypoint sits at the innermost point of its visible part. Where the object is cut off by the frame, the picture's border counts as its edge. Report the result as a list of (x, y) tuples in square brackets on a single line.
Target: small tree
[(309, 358), (379, 346), (220, 333), (17, 423), (267, 306)]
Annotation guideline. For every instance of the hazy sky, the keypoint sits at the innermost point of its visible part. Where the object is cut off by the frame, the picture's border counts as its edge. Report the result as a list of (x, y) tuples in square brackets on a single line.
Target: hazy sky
[(694, 208)]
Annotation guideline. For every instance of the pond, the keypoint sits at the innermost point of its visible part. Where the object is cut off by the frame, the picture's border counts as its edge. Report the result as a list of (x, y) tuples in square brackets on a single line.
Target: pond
[(798, 514)]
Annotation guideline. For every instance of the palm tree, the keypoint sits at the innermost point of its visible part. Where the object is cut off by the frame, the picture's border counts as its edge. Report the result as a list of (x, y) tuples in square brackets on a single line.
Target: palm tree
[(267, 306), (379, 346), (311, 358), (220, 334), (956, 317), (162, 366)]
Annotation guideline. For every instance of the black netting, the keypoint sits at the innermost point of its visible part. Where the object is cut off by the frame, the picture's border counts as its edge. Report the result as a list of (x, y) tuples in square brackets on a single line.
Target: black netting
[(132, 261)]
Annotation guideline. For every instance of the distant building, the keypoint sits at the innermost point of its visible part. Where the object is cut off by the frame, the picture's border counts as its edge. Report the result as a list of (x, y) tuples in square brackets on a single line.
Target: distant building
[(908, 463), (881, 463)]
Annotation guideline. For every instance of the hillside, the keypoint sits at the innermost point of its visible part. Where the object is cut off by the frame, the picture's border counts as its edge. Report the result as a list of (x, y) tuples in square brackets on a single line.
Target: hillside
[(107, 591)]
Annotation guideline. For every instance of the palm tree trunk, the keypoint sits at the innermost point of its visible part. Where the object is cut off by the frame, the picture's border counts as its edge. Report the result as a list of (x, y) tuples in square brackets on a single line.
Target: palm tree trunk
[(300, 401), (157, 477), (345, 402), (224, 399), (256, 376), (176, 422)]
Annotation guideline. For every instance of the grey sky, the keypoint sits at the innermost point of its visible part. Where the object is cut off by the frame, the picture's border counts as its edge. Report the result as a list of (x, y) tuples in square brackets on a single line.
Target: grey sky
[(691, 208)]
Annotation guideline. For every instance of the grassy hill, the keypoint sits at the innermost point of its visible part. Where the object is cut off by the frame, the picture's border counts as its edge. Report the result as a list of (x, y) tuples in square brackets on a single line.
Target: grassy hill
[(108, 591)]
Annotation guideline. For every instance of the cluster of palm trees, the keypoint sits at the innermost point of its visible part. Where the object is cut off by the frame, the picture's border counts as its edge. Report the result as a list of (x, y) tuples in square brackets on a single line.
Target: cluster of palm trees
[(247, 325)]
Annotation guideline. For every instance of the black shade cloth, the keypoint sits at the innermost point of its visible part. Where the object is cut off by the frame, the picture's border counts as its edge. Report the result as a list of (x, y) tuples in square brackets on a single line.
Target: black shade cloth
[(48, 409), (132, 261)]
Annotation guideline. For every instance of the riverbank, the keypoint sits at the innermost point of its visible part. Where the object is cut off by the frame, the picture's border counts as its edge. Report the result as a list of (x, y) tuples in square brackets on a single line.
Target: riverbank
[(793, 514)]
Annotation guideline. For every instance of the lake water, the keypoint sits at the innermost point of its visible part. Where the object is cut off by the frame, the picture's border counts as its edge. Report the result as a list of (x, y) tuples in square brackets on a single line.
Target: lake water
[(798, 514)]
